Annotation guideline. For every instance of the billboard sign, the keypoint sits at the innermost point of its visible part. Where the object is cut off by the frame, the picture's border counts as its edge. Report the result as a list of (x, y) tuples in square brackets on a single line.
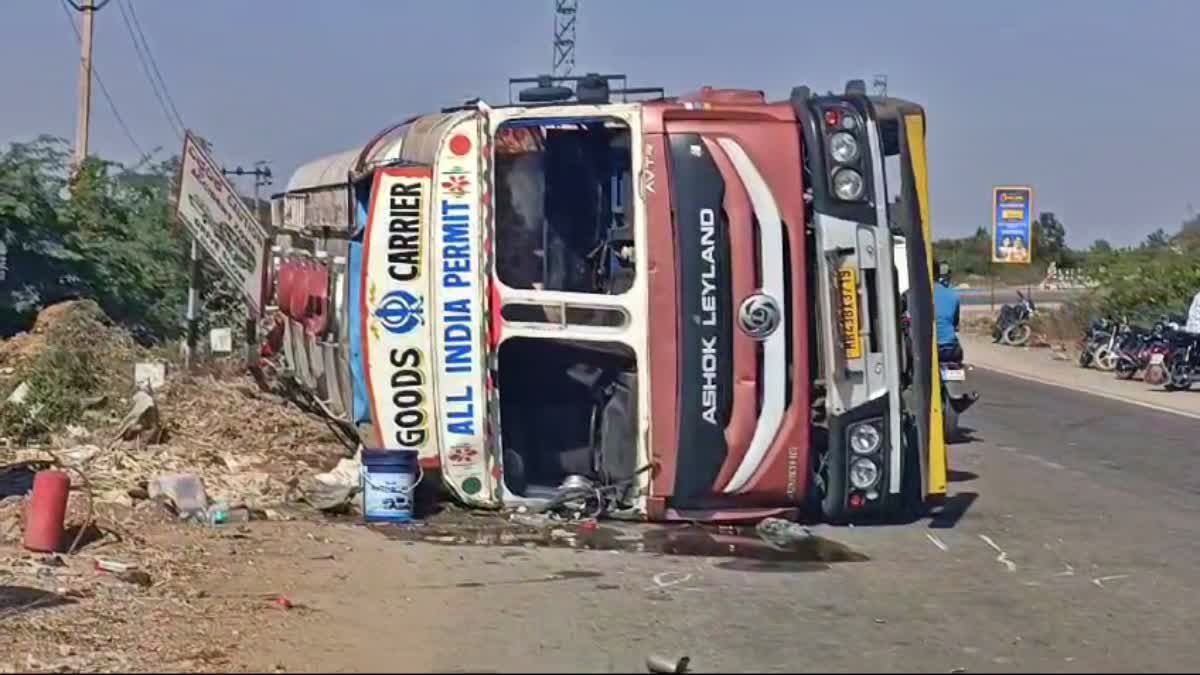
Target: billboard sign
[(1012, 225), (215, 214)]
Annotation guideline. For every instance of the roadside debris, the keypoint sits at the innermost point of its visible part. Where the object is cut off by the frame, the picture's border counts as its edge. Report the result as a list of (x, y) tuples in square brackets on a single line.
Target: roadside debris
[(20, 394), (335, 489), (114, 566), (78, 456), (141, 423), (183, 492), (781, 533), (16, 479), (662, 664)]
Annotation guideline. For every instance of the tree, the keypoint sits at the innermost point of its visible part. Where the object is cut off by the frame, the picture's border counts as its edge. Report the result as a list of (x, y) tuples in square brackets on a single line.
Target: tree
[(39, 263), (109, 239), (1101, 247), (1049, 238), (1189, 234), (1157, 239)]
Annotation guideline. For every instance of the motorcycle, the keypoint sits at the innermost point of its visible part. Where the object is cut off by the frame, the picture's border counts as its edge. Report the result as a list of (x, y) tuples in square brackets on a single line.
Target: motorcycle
[(1107, 351), (957, 397), (1183, 361), (1146, 352), (1097, 334), (1012, 325)]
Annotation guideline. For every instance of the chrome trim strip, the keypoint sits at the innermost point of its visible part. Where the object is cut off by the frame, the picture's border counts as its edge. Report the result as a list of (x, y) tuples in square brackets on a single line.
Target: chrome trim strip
[(888, 308), (771, 252)]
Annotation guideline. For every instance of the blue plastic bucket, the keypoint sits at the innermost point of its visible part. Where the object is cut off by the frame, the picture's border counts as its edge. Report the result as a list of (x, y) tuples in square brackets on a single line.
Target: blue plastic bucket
[(388, 480)]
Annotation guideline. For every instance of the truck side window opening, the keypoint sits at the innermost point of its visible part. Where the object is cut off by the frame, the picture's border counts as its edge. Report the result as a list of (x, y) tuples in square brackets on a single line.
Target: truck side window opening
[(562, 216)]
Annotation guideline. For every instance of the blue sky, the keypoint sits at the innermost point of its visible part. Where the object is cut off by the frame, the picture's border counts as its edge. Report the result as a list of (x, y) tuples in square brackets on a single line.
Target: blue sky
[(1090, 102)]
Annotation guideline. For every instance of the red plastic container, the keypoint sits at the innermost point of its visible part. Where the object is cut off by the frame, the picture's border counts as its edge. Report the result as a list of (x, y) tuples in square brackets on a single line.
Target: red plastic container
[(47, 511)]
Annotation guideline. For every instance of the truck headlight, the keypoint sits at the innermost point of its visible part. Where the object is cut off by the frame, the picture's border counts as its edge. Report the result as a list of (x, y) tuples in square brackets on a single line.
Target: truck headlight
[(848, 184), (865, 438), (864, 473), (843, 147)]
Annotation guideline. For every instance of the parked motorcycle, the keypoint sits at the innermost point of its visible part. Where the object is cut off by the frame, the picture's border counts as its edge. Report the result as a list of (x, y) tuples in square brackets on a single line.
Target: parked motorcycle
[(1107, 352), (1099, 333), (1012, 325), (1183, 363), (1146, 351)]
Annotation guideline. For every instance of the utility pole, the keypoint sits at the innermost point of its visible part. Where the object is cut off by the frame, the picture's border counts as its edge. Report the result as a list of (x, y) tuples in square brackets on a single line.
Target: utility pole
[(83, 114), (566, 12), (880, 84), (262, 177)]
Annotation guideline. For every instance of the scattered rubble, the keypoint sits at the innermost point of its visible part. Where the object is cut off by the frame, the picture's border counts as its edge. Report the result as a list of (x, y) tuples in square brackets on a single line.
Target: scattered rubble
[(662, 664), (783, 534), (141, 423)]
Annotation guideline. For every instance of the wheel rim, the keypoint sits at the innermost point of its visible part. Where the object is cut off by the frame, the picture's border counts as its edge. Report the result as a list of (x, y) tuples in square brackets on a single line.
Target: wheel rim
[(1018, 334), (1106, 359)]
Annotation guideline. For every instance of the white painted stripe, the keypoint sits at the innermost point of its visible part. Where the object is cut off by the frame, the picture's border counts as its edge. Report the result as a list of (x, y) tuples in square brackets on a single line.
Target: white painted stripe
[(771, 252)]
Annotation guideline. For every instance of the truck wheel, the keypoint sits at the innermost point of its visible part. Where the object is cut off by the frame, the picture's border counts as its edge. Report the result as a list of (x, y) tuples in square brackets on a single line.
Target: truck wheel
[(910, 507), (833, 497)]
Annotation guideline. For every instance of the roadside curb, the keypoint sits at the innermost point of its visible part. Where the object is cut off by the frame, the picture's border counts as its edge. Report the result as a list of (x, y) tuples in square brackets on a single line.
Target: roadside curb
[(1087, 389)]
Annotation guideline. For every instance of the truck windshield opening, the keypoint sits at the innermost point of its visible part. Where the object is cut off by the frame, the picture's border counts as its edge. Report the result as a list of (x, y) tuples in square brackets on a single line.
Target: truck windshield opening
[(563, 215)]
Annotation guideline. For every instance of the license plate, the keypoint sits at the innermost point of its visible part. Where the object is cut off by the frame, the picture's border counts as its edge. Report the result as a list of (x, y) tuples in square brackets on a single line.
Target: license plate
[(954, 375), (848, 287), (1156, 359)]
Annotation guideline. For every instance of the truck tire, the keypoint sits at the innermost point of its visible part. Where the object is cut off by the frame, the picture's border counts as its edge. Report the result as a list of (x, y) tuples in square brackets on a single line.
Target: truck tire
[(833, 498)]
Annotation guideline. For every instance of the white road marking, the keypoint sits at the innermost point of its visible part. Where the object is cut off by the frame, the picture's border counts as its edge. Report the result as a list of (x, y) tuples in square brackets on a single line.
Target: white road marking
[(1002, 558), (937, 542), (1099, 581)]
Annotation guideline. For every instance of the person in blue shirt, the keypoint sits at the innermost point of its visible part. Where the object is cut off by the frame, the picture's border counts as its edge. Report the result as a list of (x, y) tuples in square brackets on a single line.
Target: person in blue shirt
[(946, 310)]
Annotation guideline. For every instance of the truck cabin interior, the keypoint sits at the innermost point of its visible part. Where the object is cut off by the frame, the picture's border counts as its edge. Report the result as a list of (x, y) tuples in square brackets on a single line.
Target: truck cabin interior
[(562, 192), (568, 408)]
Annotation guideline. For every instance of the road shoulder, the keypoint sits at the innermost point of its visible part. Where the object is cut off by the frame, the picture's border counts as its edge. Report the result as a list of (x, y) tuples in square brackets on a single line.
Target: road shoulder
[(1042, 365)]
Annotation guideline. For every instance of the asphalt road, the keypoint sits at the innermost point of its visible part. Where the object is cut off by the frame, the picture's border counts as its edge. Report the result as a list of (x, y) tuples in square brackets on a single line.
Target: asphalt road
[(1068, 544), (1131, 448)]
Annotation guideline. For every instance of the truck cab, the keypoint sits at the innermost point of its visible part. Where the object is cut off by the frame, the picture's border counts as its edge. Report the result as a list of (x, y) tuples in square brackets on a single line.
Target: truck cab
[(685, 308)]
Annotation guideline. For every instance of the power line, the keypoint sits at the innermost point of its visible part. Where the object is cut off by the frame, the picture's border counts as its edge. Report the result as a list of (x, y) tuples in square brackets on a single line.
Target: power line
[(153, 64), (146, 59), (66, 7)]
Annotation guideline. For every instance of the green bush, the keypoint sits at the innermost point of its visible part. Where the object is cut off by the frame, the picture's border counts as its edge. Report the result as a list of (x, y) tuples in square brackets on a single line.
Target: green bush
[(83, 356), (109, 236), (1145, 283)]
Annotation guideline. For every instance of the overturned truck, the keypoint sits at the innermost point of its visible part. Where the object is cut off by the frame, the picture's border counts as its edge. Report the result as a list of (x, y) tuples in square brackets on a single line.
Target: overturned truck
[(688, 304)]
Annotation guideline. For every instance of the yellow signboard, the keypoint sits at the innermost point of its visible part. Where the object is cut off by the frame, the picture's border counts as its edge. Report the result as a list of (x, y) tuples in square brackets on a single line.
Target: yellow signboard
[(848, 286)]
